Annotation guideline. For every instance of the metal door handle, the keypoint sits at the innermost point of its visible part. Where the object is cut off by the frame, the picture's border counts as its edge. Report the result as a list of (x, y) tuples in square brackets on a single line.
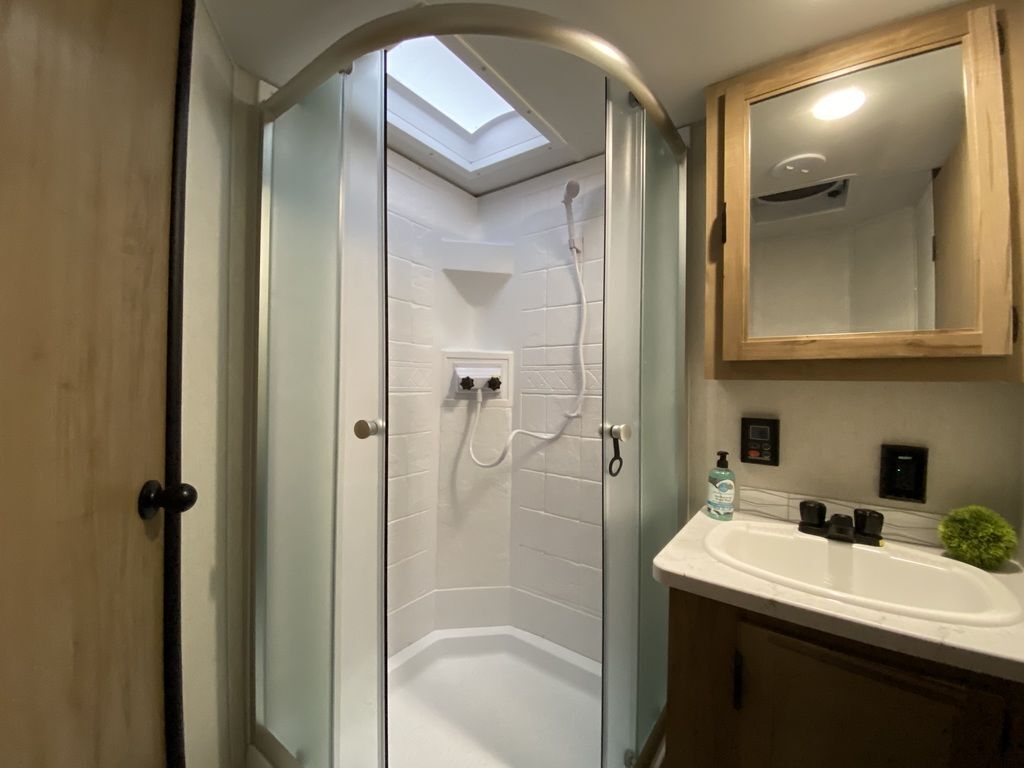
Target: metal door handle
[(620, 431), (364, 429), (617, 432)]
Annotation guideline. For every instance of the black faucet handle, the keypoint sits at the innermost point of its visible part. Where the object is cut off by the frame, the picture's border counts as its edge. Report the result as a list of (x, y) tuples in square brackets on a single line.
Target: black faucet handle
[(868, 522), (812, 513)]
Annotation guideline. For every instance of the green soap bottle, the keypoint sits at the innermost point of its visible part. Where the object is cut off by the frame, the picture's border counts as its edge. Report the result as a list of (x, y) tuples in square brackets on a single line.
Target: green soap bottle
[(721, 489)]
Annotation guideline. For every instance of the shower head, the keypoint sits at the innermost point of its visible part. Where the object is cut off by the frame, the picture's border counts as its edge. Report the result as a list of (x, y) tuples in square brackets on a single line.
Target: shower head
[(571, 190)]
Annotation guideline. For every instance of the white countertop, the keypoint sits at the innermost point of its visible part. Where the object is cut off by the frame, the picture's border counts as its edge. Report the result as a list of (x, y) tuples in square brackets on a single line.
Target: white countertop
[(685, 564)]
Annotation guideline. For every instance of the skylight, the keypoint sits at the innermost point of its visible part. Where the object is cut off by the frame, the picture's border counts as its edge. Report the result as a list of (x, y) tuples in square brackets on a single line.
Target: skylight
[(427, 68)]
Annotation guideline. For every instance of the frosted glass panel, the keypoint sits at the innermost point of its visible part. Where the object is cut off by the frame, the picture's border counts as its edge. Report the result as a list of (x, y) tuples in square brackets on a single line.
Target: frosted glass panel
[(295, 530), (643, 328), (661, 396), (623, 281)]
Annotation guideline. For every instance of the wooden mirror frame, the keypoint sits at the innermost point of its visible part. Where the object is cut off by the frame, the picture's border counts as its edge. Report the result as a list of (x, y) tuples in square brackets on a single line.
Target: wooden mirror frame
[(976, 30)]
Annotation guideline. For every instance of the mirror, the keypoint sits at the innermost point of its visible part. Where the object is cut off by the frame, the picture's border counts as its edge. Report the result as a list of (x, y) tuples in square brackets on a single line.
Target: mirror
[(860, 201)]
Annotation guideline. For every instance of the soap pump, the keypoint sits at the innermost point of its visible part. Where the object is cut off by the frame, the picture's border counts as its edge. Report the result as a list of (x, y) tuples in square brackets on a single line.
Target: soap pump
[(721, 489)]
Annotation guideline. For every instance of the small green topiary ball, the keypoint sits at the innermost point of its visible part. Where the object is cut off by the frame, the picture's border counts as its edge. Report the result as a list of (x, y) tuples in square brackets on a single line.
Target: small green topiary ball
[(978, 536)]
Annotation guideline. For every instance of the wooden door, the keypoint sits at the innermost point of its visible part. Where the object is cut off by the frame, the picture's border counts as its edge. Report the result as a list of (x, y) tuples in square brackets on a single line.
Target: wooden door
[(86, 109), (801, 704)]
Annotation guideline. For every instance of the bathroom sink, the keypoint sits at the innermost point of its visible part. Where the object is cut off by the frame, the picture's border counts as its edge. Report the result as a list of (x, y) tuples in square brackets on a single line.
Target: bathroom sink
[(892, 578)]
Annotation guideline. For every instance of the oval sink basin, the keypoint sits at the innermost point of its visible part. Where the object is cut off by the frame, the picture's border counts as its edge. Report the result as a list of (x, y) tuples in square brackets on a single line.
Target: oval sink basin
[(891, 578)]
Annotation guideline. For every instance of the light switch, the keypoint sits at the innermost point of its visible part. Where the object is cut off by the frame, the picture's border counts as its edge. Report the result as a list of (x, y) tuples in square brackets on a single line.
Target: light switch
[(903, 473)]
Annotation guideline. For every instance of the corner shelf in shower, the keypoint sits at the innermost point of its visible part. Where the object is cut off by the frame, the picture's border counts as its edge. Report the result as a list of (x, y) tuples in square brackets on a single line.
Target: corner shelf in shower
[(495, 258)]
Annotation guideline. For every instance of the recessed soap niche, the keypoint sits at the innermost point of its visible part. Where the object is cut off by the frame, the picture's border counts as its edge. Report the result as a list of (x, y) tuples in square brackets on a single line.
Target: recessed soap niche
[(480, 366)]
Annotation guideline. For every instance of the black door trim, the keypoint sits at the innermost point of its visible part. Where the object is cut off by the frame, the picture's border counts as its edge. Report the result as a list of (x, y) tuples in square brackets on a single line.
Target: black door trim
[(174, 714)]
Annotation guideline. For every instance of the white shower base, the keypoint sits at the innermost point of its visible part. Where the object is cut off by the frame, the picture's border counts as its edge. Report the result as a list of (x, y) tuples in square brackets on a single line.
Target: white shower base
[(494, 697)]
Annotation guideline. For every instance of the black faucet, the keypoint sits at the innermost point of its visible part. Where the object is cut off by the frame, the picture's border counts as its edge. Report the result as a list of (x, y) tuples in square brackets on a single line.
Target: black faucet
[(865, 527)]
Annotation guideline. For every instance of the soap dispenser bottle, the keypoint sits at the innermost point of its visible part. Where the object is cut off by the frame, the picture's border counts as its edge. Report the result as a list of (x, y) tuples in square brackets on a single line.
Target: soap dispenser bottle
[(721, 489)]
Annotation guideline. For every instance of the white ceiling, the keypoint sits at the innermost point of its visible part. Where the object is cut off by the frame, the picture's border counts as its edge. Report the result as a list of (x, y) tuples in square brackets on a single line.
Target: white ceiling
[(680, 46), (910, 123)]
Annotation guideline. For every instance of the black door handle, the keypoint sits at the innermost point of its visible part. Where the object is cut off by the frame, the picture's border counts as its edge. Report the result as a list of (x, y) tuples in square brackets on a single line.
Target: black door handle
[(617, 432), (175, 498), (615, 465)]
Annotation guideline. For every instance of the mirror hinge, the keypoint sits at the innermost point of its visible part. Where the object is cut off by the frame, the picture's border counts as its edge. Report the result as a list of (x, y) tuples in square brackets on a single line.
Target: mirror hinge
[(722, 222), (1001, 37), (1014, 323)]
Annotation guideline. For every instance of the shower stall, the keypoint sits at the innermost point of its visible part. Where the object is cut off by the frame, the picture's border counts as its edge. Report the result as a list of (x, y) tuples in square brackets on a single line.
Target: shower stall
[(467, 446)]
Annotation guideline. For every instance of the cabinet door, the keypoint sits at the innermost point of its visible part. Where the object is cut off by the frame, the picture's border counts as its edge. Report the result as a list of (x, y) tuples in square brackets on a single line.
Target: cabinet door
[(801, 704)]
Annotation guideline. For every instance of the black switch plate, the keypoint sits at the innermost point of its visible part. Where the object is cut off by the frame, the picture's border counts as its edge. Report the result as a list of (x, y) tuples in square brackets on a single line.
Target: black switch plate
[(759, 441), (904, 473)]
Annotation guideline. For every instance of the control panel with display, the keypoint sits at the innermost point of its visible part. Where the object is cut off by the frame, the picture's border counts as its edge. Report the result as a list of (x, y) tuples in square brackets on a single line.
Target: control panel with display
[(759, 441)]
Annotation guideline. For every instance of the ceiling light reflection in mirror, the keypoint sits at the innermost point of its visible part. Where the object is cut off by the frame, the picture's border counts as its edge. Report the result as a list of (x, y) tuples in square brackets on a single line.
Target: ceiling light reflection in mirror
[(839, 104)]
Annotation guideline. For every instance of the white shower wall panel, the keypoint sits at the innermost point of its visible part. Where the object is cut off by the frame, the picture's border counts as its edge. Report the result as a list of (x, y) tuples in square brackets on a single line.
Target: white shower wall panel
[(474, 503), (420, 209), (556, 515), (519, 544)]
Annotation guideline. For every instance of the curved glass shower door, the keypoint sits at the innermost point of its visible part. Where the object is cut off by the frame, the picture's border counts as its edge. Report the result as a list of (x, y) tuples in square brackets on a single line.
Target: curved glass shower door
[(317, 535), (501, 581), (643, 382)]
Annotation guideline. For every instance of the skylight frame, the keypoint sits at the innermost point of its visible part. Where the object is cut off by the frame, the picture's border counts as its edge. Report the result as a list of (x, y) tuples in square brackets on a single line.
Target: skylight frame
[(502, 138), (428, 68)]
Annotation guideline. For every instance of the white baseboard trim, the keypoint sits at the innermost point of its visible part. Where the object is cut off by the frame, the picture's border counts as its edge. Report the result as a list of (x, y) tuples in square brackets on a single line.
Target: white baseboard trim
[(409, 623), (578, 631), (473, 607)]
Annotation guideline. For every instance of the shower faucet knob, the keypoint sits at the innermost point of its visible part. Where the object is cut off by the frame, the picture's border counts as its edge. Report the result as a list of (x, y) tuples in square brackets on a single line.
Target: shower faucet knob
[(466, 383), (494, 383)]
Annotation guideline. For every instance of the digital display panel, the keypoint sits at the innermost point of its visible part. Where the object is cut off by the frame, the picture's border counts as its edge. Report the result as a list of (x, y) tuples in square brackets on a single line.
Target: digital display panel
[(759, 432)]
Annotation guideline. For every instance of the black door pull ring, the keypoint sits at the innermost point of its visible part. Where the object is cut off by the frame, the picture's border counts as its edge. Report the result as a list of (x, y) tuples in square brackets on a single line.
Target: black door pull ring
[(618, 433), (615, 465)]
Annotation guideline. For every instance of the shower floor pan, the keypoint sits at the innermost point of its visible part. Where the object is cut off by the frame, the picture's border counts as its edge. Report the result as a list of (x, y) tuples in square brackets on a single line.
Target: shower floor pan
[(494, 697)]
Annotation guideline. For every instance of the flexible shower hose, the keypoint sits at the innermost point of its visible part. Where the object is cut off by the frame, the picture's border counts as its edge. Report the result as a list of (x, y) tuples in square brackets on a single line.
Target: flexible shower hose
[(577, 256)]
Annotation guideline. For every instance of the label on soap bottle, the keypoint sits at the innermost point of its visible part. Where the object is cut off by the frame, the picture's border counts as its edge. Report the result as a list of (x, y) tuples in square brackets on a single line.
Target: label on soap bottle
[(721, 497)]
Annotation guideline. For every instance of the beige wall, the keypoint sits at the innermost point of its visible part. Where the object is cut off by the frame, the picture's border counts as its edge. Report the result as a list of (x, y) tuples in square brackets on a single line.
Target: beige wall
[(859, 277), (212, 642), (831, 431), (955, 264)]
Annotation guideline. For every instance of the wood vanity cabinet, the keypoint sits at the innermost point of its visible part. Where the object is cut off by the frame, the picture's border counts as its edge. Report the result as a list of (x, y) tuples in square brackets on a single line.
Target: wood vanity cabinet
[(747, 690)]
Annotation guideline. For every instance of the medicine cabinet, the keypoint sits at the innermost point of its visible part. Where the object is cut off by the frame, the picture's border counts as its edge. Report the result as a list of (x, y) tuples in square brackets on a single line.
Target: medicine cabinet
[(859, 202)]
